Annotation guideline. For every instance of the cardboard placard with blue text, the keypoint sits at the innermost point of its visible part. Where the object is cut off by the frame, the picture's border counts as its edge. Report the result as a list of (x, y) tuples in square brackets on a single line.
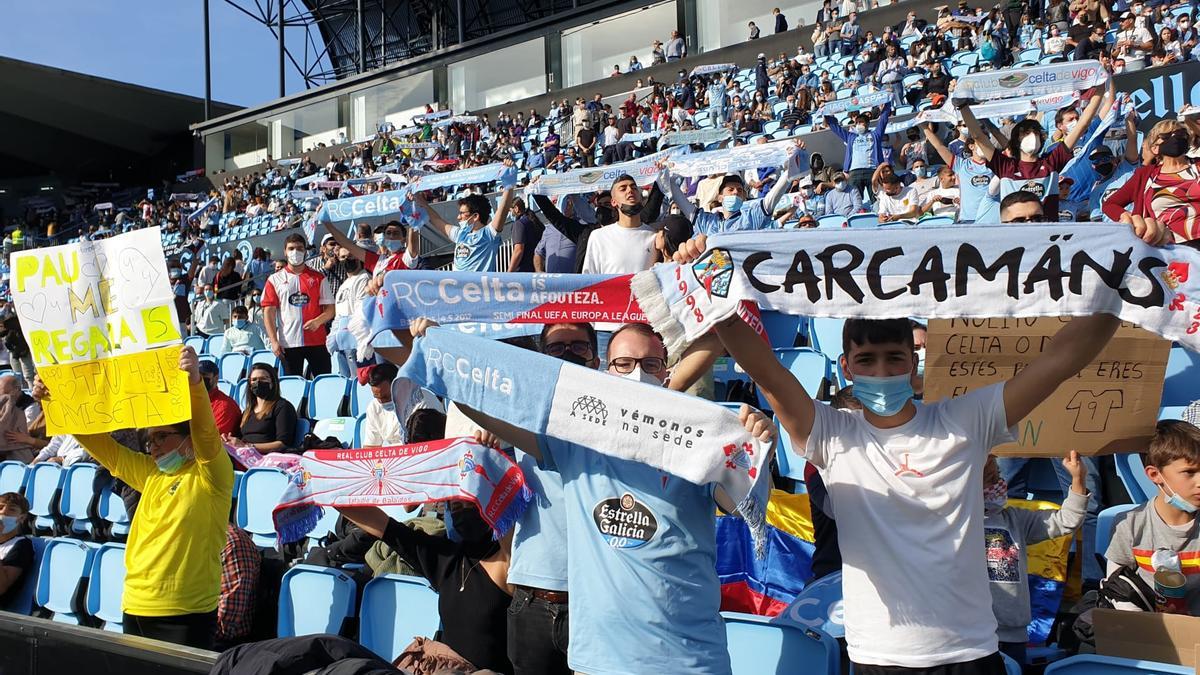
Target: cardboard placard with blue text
[(101, 324), (1110, 407)]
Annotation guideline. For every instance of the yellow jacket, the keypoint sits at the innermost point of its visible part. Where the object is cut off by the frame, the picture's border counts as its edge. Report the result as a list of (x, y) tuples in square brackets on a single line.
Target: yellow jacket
[(173, 556)]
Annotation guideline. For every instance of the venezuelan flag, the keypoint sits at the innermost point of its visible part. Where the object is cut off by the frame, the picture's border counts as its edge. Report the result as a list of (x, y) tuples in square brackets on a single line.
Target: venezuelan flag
[(766, 587), (1047, 565)]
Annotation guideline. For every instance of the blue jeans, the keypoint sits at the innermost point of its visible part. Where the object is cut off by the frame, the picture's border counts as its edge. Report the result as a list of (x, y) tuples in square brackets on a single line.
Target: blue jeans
[(1015, 471)]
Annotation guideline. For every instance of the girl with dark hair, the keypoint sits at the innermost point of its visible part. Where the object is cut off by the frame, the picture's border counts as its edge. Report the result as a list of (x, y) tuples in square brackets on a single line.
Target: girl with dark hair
[(268, 420), (1023, 165)]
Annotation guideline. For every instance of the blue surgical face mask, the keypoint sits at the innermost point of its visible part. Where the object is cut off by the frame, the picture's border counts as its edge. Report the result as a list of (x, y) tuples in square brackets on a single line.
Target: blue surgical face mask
[(394, 245), (884, 396), (390, 406), (9, 524), (172, 461), (181, 290), (732, 203), (465, 223), (241, 323), (1178, 502)]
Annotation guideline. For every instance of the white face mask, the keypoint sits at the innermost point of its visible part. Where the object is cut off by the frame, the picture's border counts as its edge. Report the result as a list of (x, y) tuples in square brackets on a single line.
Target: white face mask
[(295, 257), (1071, 125), (638, 375), (1029, 144), (861, 128)]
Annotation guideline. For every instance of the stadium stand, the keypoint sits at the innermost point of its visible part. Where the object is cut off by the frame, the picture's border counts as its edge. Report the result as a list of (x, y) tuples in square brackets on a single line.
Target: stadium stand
[(79, 573)]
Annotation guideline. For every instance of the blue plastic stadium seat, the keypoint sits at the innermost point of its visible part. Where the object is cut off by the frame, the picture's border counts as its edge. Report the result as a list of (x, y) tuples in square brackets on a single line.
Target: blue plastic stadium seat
[(395, 609), (195, 342), (225, 387), (232, 367), (44, 480), (303, 426), (362, 398), (106, 587), (863, 220), (65, 564), (758, 647), (22, 601), (267, 357), (314, 600), (1093, 664), (257, 496), (215, 345), (77, 495), (111, 508), (294, 388), (1106, 521), (832, 220), (326, 395), (1182, 383), (827, 336), (341, 428), (1133, 476), (239, 393), (810, 367), (12, 476)]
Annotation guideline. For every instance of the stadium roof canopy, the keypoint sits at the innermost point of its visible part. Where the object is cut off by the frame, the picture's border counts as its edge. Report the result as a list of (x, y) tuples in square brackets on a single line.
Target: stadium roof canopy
[(395, 30), (83, 127)]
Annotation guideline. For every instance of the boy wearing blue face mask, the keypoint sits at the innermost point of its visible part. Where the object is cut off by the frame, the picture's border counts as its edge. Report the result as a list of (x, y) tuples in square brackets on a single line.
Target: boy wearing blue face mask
[(1159, 537), (173, 555), (16, 551), (735, 213), (903, 480), (243, 336)]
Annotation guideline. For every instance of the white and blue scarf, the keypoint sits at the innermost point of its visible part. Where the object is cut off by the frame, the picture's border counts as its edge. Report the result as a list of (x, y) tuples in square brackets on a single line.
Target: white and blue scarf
[(1052, 78), (489, 173), (614, 416), (1061, 269), (868, 100)]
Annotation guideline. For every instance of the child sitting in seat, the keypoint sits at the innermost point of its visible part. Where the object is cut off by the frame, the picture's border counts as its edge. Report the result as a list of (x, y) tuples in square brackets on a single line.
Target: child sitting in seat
[(1159, 537), (16, 551), (1007, 532)]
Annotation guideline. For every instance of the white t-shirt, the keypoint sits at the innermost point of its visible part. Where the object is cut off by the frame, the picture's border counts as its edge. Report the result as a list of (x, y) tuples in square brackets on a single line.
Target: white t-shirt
[(1138, 35), (910, 526), (382, 428), (613, 249), (898, 205), (939, 208), (350, 294)]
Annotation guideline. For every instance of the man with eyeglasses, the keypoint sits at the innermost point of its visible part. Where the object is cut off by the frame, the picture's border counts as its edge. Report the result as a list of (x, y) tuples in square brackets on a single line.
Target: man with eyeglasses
[(1021, 207), (173, 556), (648, 595)]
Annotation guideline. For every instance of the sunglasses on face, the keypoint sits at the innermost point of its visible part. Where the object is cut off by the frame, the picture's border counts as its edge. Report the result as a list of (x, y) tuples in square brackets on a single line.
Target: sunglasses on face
[(578, 348), (1025, 219)]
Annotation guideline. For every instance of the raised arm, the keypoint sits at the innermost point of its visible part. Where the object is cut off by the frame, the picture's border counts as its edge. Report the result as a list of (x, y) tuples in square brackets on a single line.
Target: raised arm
[(678, 196), (435, 219), (1073, 347), (344, 241), (501, 214), (793, 407), (569, 227), (697, 360), (1133, 153), (1089, 114), (791, 169), (938, 146), (986, 149)]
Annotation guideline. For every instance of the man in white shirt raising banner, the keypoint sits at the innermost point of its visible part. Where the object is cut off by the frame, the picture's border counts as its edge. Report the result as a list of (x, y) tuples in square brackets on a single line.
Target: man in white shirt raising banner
[(903, 480)]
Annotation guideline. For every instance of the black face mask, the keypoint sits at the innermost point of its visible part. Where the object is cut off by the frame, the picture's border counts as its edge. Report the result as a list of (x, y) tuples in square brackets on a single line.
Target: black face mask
[(470, 530), (261, 389), (606, 215), (571, 357), (1104, 169), (351, 265), (1174, 146), (631, 210)]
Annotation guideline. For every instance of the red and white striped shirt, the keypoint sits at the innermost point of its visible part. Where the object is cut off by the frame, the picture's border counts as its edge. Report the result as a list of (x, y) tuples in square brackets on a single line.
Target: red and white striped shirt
[(299, 298)]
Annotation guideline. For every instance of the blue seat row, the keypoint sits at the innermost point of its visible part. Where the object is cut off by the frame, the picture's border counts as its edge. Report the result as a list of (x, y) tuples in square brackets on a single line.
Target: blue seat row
[(63, 499)]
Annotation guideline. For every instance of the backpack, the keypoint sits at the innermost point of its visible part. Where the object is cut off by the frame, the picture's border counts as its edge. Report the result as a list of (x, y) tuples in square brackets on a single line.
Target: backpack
[(1123, 585)]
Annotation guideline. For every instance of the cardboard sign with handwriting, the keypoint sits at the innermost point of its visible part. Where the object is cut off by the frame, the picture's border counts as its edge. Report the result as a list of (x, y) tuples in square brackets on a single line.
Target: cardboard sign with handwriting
[(102, 329), (1110, 407)]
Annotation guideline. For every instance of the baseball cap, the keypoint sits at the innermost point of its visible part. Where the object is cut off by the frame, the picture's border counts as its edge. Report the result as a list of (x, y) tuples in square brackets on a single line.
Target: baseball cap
[(326, 238), (731, 178)]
